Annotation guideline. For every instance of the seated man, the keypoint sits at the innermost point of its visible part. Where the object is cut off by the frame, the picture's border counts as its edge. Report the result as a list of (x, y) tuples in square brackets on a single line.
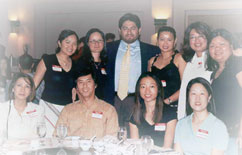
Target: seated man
[(89, 116)]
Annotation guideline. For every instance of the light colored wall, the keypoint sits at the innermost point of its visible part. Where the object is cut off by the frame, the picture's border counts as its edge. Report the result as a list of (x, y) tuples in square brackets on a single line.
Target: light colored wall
[(180, 7), (52, 17)]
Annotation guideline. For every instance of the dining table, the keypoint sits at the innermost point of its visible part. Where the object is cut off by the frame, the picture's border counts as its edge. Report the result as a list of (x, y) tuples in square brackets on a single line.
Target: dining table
[(74, 145)]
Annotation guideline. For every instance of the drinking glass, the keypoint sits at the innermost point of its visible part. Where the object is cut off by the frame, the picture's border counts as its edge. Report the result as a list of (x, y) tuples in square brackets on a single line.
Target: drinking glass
[(122, 133), (61, 132), (147, 143), (41, 131)]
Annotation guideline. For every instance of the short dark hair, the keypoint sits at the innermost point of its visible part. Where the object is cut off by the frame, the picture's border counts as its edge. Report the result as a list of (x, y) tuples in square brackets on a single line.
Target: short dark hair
[(85, 72), (110, 36), (166, 29), (211, 64), (201, 28), (129, 16), (63, 35), (26, 61), (28, 79), (211, 105)]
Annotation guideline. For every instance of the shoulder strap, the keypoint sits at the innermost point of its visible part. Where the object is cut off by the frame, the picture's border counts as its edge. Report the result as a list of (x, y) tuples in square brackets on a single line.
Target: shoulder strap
[(155, 59)]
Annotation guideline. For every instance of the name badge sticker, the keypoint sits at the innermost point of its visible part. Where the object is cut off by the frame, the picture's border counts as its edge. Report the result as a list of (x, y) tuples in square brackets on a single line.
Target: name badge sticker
[(163, 82), (96, 114), (32, 113), (56, 68), (202, 133), (160, 127), (103, 71)]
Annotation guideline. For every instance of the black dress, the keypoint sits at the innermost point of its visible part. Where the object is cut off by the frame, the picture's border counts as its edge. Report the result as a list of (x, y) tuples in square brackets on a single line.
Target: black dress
[(228, 95), (157, 135), (170, 79), (58, 82), (99, 70)]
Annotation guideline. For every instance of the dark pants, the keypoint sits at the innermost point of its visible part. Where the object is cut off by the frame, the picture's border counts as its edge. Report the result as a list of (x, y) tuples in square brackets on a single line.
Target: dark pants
[(124, 108)]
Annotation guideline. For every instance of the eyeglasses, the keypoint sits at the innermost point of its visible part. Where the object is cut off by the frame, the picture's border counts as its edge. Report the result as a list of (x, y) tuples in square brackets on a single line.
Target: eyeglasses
[(200, 37), (130, 29), (95, 41)]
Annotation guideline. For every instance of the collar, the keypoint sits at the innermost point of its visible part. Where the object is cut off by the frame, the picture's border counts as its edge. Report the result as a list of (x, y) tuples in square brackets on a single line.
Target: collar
[(94, 104), (133, 45)]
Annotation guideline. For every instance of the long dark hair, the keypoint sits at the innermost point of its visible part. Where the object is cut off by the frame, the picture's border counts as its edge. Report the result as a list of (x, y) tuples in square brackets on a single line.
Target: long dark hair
[(139, 108), (201, 28), (63, 35), (87, 55), (211, 105), (28, 79), (211, 64)]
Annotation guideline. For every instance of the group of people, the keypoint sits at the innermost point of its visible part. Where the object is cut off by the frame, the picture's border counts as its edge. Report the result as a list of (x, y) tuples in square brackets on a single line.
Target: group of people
[(187, 98)]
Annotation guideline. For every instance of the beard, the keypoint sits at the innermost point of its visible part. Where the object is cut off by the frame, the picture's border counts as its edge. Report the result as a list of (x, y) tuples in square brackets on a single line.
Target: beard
[(130, 40)]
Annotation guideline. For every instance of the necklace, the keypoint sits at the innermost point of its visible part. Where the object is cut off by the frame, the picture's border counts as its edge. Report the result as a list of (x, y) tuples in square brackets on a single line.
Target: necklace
[(97, 64)]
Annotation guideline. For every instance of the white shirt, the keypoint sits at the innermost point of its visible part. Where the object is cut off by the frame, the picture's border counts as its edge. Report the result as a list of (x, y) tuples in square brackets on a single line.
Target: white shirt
[(195, 68), (16, 126)]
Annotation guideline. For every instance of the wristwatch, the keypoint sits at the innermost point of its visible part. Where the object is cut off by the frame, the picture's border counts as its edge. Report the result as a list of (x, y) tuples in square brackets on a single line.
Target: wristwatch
[(170, 100)]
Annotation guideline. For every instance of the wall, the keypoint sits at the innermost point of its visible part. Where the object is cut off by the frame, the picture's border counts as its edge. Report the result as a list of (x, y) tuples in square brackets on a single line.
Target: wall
[(80, 16), (180, 7)]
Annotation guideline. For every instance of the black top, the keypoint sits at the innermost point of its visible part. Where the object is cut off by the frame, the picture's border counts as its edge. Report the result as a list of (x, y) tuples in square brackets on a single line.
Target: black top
[(157, 135), (169, 75), (99, 70), (58, 82), (228, 94)]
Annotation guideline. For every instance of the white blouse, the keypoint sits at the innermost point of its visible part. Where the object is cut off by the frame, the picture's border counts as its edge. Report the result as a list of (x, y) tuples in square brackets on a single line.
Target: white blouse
[(195, 68)]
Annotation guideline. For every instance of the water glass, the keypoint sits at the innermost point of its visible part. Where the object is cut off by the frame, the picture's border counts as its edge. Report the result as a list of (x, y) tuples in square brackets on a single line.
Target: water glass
[(147, 143), (61, 132), (122, 133), (41, 131)]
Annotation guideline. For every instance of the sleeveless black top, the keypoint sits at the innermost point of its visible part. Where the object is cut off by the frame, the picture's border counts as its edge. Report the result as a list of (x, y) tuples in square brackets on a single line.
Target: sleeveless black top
[(58, 82), (170, 79)]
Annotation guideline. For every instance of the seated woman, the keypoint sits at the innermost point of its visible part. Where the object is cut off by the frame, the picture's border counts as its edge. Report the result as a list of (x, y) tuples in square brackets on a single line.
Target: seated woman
[(148, 117), (200, 132), (19, 115)]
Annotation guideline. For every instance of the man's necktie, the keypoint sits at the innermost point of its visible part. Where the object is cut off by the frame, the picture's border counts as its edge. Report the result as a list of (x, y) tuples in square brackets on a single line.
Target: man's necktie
[(123, 84)]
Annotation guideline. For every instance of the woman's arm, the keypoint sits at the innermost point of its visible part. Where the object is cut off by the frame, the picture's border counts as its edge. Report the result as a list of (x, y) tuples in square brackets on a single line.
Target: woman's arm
[(180, 64), (134, 131), (150, 64), (239, 78), (39, 74), (169, 133), (178, 148)]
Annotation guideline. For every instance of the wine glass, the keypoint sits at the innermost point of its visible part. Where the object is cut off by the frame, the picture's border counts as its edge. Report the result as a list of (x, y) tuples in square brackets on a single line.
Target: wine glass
[(122, 133), (61, 131), (41, 131), (147, 143)]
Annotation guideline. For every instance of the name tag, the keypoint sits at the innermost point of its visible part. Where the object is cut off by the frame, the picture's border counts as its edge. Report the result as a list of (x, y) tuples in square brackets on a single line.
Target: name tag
[(160, 127), (30, 112), (103, 71), (56, 68), (163, 82), (96, 114), (202, 133)]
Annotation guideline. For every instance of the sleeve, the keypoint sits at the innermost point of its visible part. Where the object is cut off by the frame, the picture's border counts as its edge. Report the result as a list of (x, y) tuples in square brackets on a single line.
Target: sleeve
[(112, 122), (177, 138), (220, 136)]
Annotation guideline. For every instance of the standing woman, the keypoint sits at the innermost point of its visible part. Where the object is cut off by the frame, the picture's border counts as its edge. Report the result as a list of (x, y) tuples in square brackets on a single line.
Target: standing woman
[(19, 115), (195, 54), (168, 66), (149, 117), (226, 81), (57, 70), (200, 132), (94, 57)]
